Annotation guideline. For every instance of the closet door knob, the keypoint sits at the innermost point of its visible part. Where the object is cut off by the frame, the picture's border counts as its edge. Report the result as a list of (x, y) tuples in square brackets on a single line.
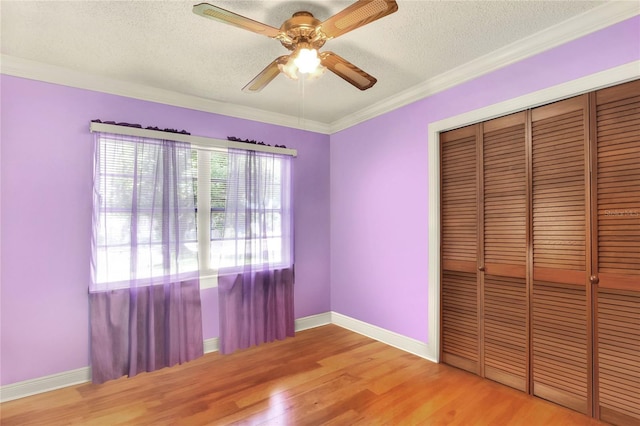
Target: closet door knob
[(481, 268), (594, 279)]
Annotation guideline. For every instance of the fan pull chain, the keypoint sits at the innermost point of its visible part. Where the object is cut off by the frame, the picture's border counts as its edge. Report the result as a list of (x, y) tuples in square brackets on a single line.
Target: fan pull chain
[(301, 111)]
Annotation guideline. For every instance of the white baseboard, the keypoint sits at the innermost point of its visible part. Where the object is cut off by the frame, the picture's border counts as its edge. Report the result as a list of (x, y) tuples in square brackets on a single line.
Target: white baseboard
[(44, 384), (313, 321), (396, 340), (211, 345), (64, 379), (83, 375)]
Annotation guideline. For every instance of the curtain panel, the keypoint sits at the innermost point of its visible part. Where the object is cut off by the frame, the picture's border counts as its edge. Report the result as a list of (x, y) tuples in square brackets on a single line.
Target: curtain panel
[(256, 294), (144, 297)]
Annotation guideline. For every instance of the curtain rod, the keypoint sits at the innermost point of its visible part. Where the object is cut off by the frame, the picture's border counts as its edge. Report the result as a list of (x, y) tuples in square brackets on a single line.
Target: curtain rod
[(194, 140)]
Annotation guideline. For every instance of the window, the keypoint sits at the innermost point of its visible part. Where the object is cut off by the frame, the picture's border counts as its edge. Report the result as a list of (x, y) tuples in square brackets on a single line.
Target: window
[(223, 242), (144, 216), (214, 236)]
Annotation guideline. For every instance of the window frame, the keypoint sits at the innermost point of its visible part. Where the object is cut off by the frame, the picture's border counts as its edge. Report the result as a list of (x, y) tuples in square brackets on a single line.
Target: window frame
[(208, 275)]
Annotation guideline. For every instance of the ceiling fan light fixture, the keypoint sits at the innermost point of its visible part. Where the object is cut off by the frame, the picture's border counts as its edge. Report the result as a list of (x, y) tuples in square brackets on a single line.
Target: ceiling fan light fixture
[(317, 73), (289, 69), (307, 60), (304, 35)]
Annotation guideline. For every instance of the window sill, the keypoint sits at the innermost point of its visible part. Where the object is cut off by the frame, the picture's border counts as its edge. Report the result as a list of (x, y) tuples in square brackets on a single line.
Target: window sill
[(208, 281)]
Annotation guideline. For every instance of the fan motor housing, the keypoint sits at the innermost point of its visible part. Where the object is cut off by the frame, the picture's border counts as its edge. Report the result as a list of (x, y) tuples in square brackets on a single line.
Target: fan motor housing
[(302, 27)]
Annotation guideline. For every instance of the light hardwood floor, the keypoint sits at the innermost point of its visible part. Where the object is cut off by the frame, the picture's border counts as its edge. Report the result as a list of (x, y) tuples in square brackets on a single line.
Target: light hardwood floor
[(327, 375)]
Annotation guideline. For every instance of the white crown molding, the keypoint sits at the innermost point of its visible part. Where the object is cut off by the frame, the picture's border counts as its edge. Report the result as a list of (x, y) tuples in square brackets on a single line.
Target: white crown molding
[(19, 67), (571, 29), (407, 344), (588, 22)]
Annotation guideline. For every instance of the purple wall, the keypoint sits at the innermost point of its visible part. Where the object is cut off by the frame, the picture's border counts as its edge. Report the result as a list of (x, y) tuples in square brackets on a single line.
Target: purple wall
[(375, 214), (46, 216), (379, 181)]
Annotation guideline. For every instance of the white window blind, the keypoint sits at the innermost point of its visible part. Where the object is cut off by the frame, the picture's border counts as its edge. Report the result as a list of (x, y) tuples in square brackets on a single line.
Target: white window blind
[(217, 242), (144, 221)]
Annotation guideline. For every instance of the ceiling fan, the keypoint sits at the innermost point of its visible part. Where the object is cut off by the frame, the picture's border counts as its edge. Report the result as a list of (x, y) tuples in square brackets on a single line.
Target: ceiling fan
[(304, 35)]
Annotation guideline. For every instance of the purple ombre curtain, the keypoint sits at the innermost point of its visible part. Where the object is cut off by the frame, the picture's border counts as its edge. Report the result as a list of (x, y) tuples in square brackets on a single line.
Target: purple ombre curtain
[(256, 275), (144, 295)]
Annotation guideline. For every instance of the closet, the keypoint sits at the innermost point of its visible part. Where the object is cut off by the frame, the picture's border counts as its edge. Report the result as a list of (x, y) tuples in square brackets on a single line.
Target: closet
[(540, 251)]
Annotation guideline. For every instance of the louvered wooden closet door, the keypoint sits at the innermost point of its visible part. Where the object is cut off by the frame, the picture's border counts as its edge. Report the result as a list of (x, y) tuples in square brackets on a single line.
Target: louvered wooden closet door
[(505, 201), (617, 252), (459, 239), (561, 348)]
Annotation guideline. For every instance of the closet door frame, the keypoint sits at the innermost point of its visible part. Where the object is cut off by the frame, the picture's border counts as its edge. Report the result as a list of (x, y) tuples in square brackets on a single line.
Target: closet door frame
[(606, 78), (591, 268)]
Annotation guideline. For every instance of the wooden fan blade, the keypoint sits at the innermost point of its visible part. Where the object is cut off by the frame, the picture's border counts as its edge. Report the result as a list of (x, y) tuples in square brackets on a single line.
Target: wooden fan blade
[(266, 76), (347, 71), (221, 15), (355, 16)]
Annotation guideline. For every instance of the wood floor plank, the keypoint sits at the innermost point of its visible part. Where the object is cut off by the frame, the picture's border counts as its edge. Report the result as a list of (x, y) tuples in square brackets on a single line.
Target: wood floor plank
[(323, 376)]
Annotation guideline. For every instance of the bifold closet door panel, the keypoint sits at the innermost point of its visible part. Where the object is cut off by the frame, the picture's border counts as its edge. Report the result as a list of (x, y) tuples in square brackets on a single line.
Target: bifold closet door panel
[(618, 186), (540, 251), (560, 344), (618, 356), (460, 321), (617, 252), (561, 304), (504, 217)]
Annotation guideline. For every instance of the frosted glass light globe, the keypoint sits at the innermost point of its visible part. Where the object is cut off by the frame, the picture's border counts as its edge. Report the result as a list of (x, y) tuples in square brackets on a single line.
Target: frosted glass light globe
[(307, 60)]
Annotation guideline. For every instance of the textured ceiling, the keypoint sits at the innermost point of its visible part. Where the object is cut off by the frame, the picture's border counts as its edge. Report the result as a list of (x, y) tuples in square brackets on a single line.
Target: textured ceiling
[(162, 44)]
